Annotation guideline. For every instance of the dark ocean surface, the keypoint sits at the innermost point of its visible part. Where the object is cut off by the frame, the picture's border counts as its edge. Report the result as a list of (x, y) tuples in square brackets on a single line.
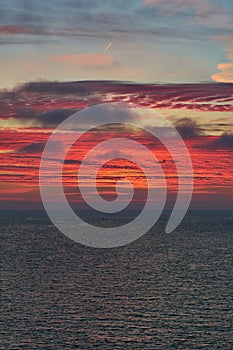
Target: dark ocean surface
[(164, 291)]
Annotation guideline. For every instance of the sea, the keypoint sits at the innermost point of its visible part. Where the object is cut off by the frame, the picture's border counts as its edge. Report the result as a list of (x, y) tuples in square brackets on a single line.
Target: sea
[(163, 291)]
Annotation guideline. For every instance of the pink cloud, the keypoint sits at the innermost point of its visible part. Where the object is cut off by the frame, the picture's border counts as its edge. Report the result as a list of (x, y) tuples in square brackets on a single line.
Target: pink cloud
[(226, 69), (226, 74), (86, 59)]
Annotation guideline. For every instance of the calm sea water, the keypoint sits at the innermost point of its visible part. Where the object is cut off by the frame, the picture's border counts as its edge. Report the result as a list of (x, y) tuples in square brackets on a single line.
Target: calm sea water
[(164, 291)]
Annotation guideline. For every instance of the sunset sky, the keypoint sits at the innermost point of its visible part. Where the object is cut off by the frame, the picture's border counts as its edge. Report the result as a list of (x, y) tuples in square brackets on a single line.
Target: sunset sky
[(174, 56)]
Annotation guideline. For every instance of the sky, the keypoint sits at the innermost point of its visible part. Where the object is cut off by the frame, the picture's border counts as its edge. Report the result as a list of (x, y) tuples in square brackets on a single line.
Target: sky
[(174, 57), (152, 40)]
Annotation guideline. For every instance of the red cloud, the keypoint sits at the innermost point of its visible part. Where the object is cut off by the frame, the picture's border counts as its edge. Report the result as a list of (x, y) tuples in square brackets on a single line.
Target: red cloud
[(34, 100)]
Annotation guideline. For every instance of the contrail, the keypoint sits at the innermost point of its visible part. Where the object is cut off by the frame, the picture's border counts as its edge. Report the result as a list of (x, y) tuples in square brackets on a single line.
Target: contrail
[(108, 45)]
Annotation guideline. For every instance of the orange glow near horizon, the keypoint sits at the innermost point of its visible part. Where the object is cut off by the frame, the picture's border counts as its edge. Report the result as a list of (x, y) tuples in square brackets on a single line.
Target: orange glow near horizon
[(20, 168)]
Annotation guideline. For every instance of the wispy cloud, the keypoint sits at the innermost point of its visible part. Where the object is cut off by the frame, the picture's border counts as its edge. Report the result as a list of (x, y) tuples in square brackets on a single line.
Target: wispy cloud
[(48, 103), (209, 13), (112, 19), (16, 30)]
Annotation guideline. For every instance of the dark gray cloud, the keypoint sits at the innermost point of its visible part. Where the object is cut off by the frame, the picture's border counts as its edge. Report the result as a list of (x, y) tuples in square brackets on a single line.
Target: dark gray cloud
[(72, 161), (54, 117), (36, 147), (105, 114), (223, 141), (59, 88), (102, 115), (188, 128)]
